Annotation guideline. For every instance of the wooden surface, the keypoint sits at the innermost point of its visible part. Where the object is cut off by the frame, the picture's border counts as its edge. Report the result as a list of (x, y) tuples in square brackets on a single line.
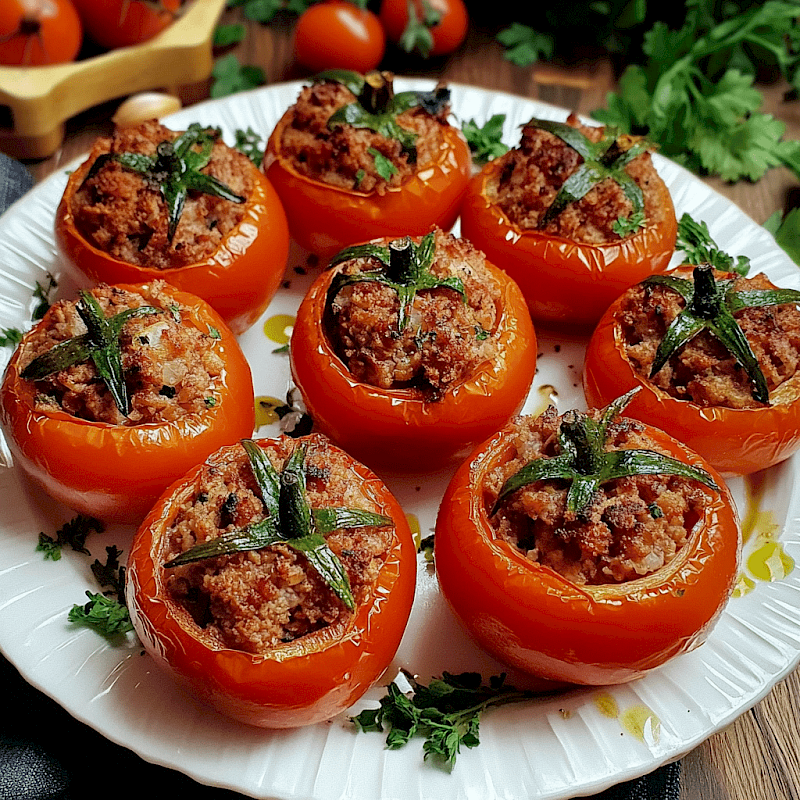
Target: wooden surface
[(757, 757)]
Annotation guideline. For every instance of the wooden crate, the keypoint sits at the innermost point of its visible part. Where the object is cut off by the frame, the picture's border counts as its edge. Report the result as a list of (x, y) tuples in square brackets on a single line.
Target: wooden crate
[(39, 100)]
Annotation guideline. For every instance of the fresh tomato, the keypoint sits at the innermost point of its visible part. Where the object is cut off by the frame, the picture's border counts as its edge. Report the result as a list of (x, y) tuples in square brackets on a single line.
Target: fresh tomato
[(238, 279), (38, 32), (428, 27), (338, 35), (735, 441), (308, 680), (564, 282), (396, 428), (116, 472), (121, 23), (325, 219), (531, 618)]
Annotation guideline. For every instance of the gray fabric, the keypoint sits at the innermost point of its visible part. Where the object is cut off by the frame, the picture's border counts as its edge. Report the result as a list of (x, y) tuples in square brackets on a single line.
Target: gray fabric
[(15, 180)]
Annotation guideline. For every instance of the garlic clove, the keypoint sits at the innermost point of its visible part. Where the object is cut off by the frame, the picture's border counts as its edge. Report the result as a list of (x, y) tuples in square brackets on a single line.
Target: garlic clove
[(146, 105)]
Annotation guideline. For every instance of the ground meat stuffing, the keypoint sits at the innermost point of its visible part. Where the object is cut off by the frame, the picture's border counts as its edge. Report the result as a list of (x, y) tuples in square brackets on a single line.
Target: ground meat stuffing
[(121, 213), (446, 338), (532, 174), (703, 371), (345, 155), (255, 600), (170, 366), (633, 527)]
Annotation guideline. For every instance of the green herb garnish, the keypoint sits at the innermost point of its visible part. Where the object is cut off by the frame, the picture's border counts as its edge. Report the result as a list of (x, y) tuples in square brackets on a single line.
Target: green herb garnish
[(446, 712), (73, 533), (485, 142), (584, 462), (230, 76), (10, 337), (625, 226), (417, 34), (383, 166), (42, 294), (100, 344), (175, 170), (710, 305), (699, 248), (406, 268), (251, 144), (105, 615), (289, 520), (524, 45)]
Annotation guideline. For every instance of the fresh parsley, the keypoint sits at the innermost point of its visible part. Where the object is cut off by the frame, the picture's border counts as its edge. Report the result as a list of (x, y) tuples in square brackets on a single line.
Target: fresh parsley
[(42, 294), (525, 46), (230, 76), (786, 230), (226, 35), (383, 166), (251, 144), (105, 615), (485, 142), (625, 226), (73, 533), (699, 248), (10, 337)]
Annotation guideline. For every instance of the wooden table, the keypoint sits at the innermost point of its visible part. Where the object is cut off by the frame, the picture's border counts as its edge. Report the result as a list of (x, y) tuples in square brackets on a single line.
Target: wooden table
[(757, 757)]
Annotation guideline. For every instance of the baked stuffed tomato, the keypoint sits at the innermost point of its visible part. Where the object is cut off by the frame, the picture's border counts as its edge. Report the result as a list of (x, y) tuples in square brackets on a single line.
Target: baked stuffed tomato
[(152, 204), (575, 214), (407, 352), (586, 548), (112, 397), (353, 161), (716, 357), (274, 580)]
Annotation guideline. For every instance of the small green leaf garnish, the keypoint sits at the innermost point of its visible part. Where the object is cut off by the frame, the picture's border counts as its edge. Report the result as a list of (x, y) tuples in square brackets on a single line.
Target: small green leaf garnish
[(10, 337), (289, 520), (383, 166), (230, 76), (100, 344), (251, 144), (524, 45), (625, 226), (711, 304), (175, 170), (446, 712), (405, 267), (485, 142), (602, 160), (226, 35), (42, 294), (584, 462), (73, 533), (111, 574), (105, 615), (417, 34), (699, 248)]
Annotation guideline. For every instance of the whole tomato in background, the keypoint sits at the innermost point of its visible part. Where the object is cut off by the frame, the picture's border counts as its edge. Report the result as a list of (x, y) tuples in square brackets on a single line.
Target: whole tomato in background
[(339, 35), (121, 23), (428, 27), (39, 32)]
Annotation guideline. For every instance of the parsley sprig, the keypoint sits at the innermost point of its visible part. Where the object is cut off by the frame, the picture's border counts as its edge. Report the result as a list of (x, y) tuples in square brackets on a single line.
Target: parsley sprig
[(289, 520), (585, 463), (485, 141), (405, 267), (446, 712), (72, 533), (699, 248), (417, 36)]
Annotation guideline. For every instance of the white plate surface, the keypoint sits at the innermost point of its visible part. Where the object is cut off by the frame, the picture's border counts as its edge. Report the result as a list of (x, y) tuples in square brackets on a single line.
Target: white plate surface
[(572, 744)]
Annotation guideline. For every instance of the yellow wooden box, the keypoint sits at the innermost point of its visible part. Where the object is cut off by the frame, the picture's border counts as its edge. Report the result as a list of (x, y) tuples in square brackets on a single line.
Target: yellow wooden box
[(39, 100)]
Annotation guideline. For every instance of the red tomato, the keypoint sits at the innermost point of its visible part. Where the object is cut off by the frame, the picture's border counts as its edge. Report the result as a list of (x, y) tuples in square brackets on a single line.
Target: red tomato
[(38, 32), (565, 283), (305, 681), (533, 619), (121, 23), (396, 429), (338, 35), (735, 441), (325, 219), (116, 472), (429, 27), (238, 280)]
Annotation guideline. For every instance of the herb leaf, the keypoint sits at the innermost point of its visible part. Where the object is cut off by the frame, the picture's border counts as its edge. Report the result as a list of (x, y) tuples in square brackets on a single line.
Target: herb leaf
[(251, 144), (106, 616), (10, 337), (699, 248), (73, 533), (525, 46), (485, 142)]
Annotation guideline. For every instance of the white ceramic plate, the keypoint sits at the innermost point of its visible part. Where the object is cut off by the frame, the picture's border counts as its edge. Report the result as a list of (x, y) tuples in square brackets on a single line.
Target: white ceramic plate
[(575, 743)]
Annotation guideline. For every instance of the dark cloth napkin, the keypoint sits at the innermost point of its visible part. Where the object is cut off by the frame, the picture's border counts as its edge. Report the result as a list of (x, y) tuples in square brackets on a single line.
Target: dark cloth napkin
[(46, 754)]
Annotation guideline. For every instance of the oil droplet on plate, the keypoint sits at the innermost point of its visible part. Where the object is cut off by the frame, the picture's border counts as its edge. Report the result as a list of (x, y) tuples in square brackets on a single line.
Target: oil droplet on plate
[(416, 532), (642, 723), (265, 410), (279, 328), (546, 395), (770, 562), (744, 585), (606, 705)]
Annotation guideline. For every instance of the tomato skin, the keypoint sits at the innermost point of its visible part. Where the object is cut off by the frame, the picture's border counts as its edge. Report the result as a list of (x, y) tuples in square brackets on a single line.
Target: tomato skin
[(395, 429), (55, 32), (122, 23), (238, 279), (564, 282), (447, 34), (530, 618), (338, 35), (300, 683), (735, 441), (116, 473), (325, 219)]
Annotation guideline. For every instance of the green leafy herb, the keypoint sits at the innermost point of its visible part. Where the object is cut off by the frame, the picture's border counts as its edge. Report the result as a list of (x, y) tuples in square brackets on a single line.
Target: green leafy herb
[(625, 226), (105, 615), (111, 575), (175, 170), (290, 520), (383, 166), (711, 304), (226, 35), (699, 248), (10, 337), (786, 230), (73, 533), (417, 36), (586, 464), (100, 344), (251, 144), (485, 142), (525, 46), (230, 76), (405, 267), (264, 11), (446, 712), (42, 294)]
